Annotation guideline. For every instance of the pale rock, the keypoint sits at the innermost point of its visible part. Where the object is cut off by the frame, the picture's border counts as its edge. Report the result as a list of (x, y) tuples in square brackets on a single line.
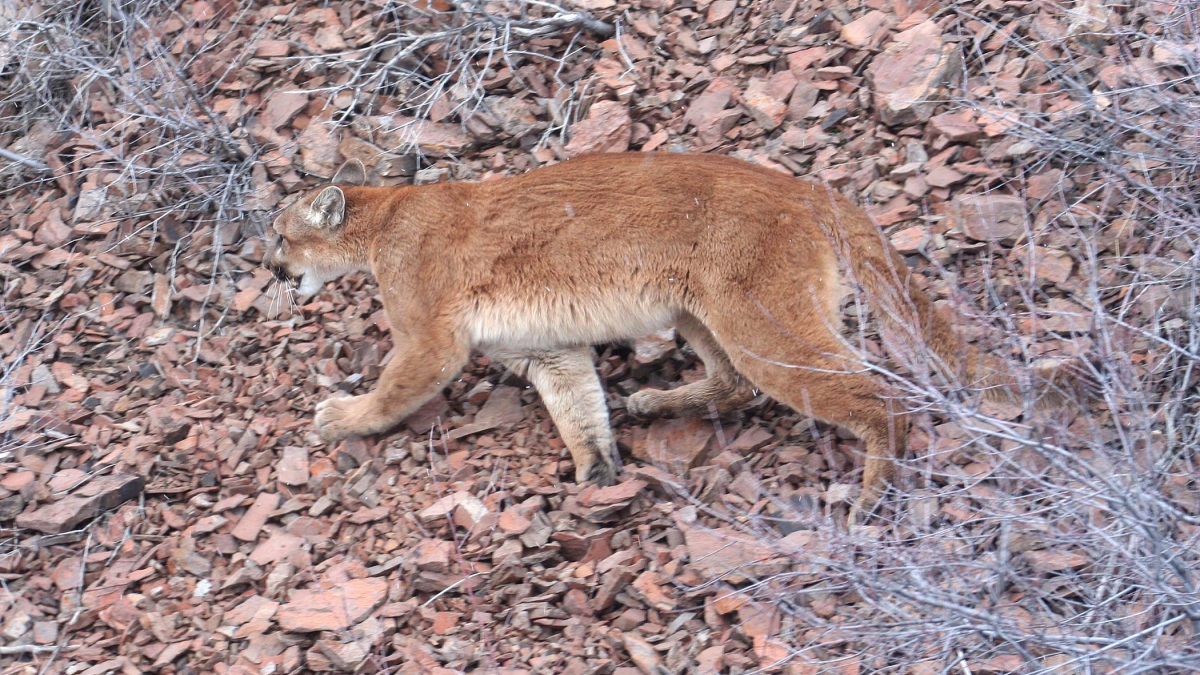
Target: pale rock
[(767, 111), (861, 32), (319, 148), (653, 348), (988, 217), (912, 74)]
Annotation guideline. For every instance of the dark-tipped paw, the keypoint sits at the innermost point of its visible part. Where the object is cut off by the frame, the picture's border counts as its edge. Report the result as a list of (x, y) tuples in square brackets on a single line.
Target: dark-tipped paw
[(602, 471)]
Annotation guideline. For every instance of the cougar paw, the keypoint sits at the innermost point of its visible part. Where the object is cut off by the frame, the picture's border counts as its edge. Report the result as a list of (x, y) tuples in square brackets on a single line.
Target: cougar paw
[(601, 470), (643, 403), (862, 509), (337, 418)]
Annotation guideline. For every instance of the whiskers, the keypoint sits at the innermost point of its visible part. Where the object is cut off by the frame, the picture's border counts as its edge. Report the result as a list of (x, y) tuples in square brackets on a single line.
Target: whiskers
[(282, 296)]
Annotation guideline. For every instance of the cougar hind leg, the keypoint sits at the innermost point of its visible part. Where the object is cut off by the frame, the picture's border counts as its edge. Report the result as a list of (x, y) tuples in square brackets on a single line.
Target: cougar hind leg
[(723, 389)]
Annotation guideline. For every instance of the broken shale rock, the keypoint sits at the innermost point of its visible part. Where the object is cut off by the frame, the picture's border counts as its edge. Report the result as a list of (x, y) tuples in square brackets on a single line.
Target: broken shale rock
[(336, 608), (98, 495), (912, 74)]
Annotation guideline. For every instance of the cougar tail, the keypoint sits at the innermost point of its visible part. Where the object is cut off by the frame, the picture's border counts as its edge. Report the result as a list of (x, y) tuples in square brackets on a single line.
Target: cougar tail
[(907, 310)]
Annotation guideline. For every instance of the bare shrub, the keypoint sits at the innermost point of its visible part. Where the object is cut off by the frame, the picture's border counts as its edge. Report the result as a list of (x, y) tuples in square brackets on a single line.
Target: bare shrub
[(1017, 539), (421, 64)]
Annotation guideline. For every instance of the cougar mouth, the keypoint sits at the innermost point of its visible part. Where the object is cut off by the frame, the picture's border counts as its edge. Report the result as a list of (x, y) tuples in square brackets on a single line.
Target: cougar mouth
[(309, 284)]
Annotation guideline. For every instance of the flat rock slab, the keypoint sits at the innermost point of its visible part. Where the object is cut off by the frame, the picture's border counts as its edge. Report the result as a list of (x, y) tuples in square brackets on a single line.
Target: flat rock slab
[(732, 556), (988, 217), (256, 516), (607, 128), (337, 608), (98, 495), (676, 444), (912, 74), (503, 407)]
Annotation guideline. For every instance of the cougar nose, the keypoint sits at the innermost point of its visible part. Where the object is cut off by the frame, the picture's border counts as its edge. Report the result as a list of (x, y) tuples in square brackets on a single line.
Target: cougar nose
[(279, 273)]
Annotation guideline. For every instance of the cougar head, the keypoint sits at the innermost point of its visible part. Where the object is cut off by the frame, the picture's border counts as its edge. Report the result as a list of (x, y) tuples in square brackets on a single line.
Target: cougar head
[(307, 246)]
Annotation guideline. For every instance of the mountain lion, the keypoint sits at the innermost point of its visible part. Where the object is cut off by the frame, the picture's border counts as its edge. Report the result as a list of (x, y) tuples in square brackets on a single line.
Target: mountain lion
[(748, 264)]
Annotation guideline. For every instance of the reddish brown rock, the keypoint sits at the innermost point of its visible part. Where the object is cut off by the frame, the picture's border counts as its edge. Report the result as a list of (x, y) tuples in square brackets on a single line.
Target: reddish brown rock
[(653, 348), (433, 555), (910, 239), (283, 106), (256, 516), (66, 479), (720, 10), (336, 608), (708, 105), (944, 176), (272, 49), (676, 444), (319, 147), (613, 494), (364, 516), (53, 231), (99, 494), (725, 554), (513, 523), (751, 440), (400, 134), (607, 128), (1050, 264), (804, 97), (958, 127), (503, 408), (428, 416), (1056, 561), (329, 39), (711, 661), (650, 588), (278, 546), (445, 622), (1065, 316), (450, 506), (708, 115), (1046, 184), (17, 480), (45, 632)]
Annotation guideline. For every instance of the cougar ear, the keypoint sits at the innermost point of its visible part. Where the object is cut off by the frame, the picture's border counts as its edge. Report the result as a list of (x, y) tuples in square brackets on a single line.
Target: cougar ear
[(328, 210), (351, 173)]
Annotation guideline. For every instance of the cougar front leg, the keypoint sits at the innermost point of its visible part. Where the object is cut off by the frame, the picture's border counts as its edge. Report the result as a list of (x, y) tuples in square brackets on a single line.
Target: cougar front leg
[(421, 366), (570, 389)]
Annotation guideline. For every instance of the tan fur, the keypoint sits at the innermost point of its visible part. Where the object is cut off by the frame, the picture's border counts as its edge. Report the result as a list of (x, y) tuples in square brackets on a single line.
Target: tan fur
[(747, 263)]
